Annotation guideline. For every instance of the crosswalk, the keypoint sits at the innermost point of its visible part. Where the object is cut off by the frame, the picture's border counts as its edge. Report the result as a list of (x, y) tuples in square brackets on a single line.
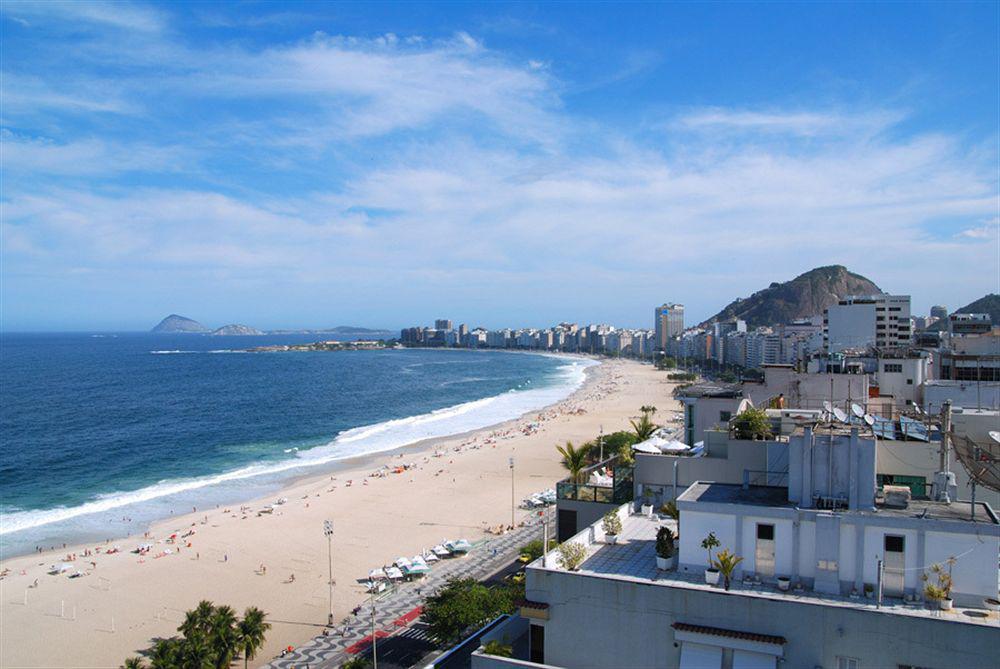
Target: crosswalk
[(397, 610)]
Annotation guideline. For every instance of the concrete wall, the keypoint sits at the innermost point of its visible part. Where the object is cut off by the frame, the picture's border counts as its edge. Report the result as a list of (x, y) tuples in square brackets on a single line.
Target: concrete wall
[(985, 394), (856, 545), (610, 622), (917, 458), (657, 471), (587, 513)]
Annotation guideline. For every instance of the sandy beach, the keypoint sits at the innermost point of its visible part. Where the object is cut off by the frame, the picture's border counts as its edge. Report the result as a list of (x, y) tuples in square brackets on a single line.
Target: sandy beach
[(457, 487)]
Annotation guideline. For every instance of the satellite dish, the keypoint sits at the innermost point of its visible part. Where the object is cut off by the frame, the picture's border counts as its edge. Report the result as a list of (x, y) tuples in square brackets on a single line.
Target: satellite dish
[(869, 420), (857, 410), (839, 414), (981, 460), (827, 407), (995, 435)]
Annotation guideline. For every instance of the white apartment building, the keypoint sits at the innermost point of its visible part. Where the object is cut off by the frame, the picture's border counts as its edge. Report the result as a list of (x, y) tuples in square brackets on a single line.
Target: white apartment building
[(862, 322), (831, 578)]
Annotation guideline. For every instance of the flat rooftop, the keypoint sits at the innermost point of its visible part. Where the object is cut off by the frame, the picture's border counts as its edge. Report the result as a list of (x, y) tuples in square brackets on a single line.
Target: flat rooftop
[(775, 496), (633, 559), (708, 389)]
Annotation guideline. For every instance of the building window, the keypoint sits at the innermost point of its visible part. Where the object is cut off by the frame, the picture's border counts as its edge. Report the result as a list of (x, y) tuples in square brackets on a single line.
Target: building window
[(848, 662), (892, 368), (724, 416), (765, 532)]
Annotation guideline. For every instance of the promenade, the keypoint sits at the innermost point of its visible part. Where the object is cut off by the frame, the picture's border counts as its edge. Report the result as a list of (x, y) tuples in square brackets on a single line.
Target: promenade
[(397, 610)]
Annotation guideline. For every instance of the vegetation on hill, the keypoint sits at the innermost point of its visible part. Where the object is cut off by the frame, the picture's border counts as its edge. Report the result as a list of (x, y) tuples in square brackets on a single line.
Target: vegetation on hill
[(804, 296)]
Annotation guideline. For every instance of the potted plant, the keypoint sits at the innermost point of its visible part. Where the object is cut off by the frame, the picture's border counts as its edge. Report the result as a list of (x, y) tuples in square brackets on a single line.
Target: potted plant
[(940, 592), (647, 503), (666, 553), (612, 526), (869, 590), (784, 582), (572, 554), (710, 543), (726, 563)]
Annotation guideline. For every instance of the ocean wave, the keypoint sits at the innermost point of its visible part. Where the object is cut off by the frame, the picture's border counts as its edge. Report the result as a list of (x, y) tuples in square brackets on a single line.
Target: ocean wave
[(364, 440), (172, 352)]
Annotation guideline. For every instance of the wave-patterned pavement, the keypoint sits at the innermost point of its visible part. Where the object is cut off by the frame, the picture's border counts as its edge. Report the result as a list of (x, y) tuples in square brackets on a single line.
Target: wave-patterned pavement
[(484, 559)]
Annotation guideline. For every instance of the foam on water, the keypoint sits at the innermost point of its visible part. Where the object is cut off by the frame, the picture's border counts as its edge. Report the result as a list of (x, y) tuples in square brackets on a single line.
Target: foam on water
[(156, 501)]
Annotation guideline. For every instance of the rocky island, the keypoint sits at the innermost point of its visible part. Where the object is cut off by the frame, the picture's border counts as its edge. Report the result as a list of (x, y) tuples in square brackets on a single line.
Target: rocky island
[(175, 323), (237, 329)]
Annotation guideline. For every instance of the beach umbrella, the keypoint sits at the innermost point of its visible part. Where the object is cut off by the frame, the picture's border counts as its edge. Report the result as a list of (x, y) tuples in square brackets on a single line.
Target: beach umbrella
[(646, 447), (674, 446)]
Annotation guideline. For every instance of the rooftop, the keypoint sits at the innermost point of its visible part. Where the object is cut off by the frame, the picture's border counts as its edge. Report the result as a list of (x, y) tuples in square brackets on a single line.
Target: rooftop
[(633, 559), (775, 496), (708, 389)]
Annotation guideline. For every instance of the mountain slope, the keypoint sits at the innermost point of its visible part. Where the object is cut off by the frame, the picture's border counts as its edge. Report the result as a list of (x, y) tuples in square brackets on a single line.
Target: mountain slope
[(806, 295), (175, 323)]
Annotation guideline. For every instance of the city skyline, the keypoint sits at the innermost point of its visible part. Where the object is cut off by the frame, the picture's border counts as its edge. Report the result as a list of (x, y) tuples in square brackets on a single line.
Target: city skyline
[(512, 163)]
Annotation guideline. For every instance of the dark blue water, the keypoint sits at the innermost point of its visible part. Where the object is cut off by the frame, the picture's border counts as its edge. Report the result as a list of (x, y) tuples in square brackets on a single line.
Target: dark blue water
[(99, 428)]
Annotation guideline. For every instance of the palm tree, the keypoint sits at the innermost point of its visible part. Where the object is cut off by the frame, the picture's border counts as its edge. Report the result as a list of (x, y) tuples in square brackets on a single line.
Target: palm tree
[(644, 427), (198, 620), (648, 409), (196, 653), (726, 562), (573, 459), (134, 663), (164, 654), (224, 637), (250, 633)]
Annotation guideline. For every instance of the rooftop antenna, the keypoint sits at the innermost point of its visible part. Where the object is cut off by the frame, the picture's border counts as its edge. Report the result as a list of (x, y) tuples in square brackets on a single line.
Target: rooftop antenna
[(840, 415), (857, 410), (944, 480)]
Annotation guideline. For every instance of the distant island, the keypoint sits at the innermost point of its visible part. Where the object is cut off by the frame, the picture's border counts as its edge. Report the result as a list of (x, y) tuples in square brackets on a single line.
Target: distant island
[(176, 324), (236, 329)]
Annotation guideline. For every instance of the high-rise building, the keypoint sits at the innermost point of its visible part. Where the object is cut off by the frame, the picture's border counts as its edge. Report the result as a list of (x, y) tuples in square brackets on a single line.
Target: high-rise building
[(668, 321), (442, 324), (939, 311), (863, 322)]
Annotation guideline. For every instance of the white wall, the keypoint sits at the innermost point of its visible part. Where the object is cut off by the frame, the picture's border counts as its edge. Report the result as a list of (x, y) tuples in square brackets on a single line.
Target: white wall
[(850, 326), (782, 544), (972, 553), (874, 550), (694, 527)]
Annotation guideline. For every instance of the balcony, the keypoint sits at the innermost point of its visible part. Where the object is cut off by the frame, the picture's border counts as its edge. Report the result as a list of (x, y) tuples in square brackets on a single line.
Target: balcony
[(619, 491)]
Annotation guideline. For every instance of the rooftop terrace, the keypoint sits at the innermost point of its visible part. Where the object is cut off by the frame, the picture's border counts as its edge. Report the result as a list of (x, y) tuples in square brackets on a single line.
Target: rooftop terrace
[(633, 559), (774, 496)]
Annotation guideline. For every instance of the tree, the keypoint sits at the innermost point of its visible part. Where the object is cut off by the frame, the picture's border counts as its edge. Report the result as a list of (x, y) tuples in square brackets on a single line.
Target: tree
[(463, 604), (574, 460), (532, 550), (165, 654), (498, 648), (251, 632), (617, 443), (133, 663), (644, 427), (648, 409), (357, 662), (708, 543), (752, 424), (726, 562), (223, 637), (572, 554)]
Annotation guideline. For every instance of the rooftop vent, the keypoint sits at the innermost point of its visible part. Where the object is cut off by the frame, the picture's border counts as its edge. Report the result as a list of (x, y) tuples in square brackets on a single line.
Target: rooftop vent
[(896, 496)]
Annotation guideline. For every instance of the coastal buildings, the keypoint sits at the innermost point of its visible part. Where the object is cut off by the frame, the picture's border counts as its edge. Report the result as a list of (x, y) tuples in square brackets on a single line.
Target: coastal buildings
[(668, 322), (861, 322), (832, 575)]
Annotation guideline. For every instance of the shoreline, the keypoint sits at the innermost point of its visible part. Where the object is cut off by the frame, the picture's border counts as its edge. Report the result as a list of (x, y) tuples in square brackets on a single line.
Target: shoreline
[(377, 518), (276, 487)]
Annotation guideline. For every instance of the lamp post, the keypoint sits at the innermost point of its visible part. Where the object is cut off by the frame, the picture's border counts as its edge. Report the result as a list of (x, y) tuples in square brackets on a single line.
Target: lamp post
[(510, 461), (328, 531), (600, 441)]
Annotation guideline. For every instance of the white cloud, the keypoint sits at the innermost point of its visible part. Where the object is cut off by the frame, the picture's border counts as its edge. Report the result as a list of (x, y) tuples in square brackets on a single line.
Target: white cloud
[(803, 123), (119, 15)]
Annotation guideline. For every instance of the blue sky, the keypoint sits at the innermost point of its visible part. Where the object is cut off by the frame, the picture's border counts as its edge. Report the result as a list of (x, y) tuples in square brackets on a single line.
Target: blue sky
[(316, 164)]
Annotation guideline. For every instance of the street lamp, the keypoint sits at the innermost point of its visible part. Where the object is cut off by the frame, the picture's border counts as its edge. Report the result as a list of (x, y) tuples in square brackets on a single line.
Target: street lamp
[(328, 531), (510, 461)]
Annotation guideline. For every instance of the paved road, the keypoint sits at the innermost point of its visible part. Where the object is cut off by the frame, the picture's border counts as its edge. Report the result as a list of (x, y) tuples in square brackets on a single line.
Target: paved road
[(397, 612)]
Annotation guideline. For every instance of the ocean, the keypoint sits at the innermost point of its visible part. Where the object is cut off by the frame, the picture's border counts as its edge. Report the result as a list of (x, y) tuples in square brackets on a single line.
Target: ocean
[(104, 433)]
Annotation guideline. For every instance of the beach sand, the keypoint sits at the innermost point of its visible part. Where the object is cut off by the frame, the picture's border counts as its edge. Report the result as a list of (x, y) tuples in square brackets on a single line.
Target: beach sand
[(126, 601)]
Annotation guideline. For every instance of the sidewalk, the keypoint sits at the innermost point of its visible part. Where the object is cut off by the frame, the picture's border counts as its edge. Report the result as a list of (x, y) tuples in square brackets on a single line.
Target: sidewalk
[(396, 610)]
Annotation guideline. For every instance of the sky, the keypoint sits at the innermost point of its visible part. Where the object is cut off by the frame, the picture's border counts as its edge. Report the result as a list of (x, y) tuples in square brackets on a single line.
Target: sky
[(382, 165)]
